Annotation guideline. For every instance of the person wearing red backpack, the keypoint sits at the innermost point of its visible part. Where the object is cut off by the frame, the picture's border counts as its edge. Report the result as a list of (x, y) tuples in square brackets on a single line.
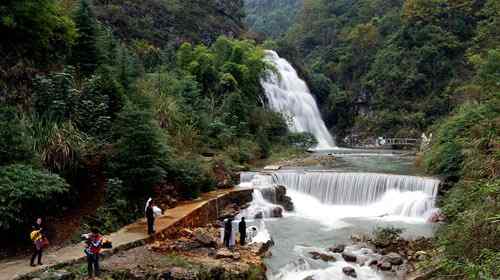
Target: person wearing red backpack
[(92, 250)]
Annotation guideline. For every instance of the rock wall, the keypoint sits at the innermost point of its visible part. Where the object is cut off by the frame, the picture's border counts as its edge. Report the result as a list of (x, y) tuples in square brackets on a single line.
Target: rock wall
[(209, 212)]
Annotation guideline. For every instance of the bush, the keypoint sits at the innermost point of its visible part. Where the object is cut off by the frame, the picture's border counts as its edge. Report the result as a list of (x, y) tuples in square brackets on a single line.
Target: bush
[(190, 178), (383, 236), (26, 193), (303, 140), (15, 141)]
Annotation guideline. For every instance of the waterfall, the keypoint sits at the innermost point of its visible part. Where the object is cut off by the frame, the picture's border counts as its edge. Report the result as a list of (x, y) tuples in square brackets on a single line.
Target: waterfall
[(353, 188), (356, 194), (288, 94)]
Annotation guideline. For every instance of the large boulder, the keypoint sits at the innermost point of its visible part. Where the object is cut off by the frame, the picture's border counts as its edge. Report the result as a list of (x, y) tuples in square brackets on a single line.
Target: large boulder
[(349, 271), (322, 256), (204, 237), (337, 249), (277, 195), (393, 258), (349, 257)]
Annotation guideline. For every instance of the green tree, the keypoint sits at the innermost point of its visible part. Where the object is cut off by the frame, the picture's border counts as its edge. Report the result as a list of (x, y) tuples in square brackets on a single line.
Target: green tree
[(139, 153), (85, 54), (35, 29), (26, 193), (15, 141)]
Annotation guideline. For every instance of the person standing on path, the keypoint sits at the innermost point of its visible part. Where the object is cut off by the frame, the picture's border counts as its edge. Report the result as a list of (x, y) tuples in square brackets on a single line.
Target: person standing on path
[(36, 236), (92, 251), (227, 231), (242, 226), (150, 216)]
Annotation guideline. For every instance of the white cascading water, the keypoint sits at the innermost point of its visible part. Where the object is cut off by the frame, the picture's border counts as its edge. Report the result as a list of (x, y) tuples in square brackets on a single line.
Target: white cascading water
[(358, 194), (289, 95)]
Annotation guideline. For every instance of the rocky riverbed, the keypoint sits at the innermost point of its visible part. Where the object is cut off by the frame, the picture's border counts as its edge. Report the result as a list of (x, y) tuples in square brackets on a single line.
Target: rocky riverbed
[(193, 253)]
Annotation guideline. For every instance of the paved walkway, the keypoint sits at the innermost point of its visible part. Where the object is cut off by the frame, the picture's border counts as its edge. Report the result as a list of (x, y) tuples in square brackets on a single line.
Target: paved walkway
[(130, 236)]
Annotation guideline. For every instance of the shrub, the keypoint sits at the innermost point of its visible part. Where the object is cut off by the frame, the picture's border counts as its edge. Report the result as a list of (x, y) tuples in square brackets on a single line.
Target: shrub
[(190, 178), (303, 140), (15, 141), (26, 193)]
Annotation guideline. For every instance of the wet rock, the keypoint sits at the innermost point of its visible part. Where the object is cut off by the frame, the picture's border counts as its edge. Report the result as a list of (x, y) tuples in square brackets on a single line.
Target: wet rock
[(322, 256), (259, 215), (261, 248), (361, 260), (385, 266), (349, 271), (277, 212), (393, 258), (204, 237), (337, 249), (310, 277), (349, 257), (57, 275), (356, 238), (372, 262), (236, 256)]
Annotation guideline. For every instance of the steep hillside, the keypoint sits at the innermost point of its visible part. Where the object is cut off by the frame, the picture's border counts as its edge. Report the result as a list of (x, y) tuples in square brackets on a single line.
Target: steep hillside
[(163, 22), (271, 17)]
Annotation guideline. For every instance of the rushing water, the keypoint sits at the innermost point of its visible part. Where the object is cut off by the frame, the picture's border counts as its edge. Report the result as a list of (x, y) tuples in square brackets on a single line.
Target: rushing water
[(332, 205), (289, 95), (359, 191)]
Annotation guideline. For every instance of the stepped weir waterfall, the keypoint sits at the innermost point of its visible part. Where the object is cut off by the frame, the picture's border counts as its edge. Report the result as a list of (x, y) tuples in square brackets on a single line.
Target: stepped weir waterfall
[(289, 95), (362, 190)]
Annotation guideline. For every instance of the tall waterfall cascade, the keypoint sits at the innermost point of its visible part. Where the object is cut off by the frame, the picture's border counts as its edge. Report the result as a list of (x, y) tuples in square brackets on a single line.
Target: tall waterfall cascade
[(289, 95), (384, 194)]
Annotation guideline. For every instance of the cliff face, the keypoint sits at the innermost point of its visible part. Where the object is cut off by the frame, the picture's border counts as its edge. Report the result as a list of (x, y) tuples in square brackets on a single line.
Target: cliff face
[(163, 22)]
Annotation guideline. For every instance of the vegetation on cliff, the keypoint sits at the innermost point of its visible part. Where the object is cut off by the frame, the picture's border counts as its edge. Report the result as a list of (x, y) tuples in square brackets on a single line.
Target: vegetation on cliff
[(99, 114)]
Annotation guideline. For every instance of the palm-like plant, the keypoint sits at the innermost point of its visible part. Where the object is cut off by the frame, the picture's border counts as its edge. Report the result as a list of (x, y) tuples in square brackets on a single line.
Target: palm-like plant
[(59, 145)]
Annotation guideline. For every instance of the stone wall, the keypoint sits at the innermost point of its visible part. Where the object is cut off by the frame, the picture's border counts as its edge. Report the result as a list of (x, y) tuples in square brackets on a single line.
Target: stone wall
[(209, 212)]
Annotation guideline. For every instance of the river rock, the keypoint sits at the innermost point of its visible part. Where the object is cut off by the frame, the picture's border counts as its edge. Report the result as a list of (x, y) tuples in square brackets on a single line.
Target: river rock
[(386, 266), (337, 249), (322, 256), (349, 257), (310, 277), (356, 238), (261, 248), (57, 275), (393, 258), (349, 271), (204, 237), (277, 212)]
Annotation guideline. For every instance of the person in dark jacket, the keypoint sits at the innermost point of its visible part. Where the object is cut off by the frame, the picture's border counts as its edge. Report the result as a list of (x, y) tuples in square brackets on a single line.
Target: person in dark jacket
[(37, 238), (227, 231), (242, 226), (150, 217), (92, 251)]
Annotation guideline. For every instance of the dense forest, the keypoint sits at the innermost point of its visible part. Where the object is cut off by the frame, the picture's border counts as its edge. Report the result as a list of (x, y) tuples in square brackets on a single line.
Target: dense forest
[(400, 68), (101, 108), (105, 103)]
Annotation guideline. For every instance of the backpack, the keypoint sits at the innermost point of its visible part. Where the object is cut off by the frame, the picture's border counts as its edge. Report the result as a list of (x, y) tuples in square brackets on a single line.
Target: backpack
[(35, 235)]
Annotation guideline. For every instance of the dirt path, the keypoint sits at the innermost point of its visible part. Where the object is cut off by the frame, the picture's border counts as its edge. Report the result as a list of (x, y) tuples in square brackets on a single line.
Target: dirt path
[(130, 236)]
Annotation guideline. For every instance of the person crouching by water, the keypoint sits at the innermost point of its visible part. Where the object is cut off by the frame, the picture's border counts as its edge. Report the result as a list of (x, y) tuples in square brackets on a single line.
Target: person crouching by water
[(242, 226), (150, 216), (92, 251), (36, 236)]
